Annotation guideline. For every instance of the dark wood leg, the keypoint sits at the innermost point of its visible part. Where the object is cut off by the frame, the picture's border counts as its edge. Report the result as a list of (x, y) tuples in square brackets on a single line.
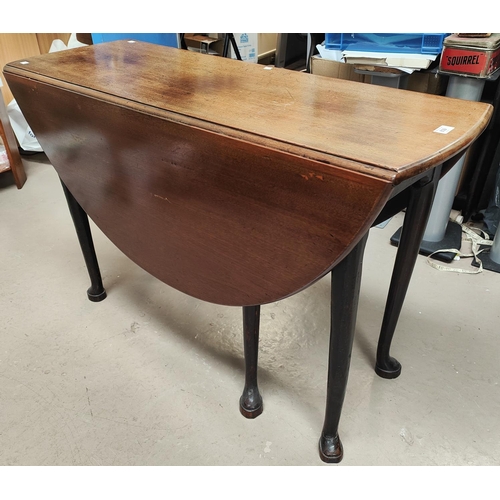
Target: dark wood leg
[(251, 401), (346, 279), (96, 292), (417, 215)]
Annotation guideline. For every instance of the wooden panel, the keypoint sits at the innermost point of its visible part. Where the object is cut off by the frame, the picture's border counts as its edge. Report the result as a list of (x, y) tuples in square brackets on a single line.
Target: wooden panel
[(15, 46), (45, 40), (296, 112), (207, 214), (232, 183), (10, 143)]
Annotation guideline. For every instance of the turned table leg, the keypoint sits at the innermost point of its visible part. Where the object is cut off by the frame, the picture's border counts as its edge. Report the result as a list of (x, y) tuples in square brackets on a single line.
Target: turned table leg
[(96, 292), (415, 221), (346, 279), (251, 401)]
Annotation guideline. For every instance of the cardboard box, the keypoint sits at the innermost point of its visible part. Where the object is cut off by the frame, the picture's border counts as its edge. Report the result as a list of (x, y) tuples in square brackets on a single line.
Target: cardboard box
[(247, 45), (427, 82), (334, 69), (479, 57)]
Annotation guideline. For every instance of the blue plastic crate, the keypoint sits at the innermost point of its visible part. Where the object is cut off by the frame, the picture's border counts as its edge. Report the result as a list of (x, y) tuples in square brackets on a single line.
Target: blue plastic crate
[(406, 43), (168, 39)]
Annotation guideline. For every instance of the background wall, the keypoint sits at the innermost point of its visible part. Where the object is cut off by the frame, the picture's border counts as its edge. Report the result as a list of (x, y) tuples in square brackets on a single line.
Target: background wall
[(15, 46)]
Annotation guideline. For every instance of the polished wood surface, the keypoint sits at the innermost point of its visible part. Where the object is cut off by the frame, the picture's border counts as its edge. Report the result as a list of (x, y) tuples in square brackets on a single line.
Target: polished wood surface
[(233, 183), (239, 184), (207, 214), (291, 111)]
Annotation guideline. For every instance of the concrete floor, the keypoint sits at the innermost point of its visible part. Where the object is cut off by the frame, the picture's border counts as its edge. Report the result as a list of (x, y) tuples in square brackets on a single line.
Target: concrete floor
[(151, 376)]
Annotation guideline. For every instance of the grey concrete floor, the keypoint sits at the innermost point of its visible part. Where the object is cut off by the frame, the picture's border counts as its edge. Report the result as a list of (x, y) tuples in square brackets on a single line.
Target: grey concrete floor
[(151, 376)]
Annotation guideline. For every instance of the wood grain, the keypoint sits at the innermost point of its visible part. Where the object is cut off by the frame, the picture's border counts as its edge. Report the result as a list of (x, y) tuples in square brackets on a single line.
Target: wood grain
[(232, 183), (10, 143), (14, 46), (303, 113), (45, 40), (215, 217)]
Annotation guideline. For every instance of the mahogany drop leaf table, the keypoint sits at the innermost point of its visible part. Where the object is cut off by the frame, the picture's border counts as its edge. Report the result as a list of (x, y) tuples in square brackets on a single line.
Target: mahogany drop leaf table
[(241, 184)]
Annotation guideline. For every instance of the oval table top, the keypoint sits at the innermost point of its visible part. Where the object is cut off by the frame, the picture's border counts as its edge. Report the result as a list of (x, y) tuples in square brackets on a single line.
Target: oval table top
[(233, 182)]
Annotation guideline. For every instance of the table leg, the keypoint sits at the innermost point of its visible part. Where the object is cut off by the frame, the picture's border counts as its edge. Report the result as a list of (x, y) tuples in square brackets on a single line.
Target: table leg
[(417, 213), (346, 279), (96, 292), (251, 401)]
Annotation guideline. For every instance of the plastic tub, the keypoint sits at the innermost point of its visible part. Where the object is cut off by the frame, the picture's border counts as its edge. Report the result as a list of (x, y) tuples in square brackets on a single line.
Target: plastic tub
[(408, 43)]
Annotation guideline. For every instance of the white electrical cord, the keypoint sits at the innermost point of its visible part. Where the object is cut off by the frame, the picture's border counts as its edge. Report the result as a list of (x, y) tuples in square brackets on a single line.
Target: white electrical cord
[(476, 240)]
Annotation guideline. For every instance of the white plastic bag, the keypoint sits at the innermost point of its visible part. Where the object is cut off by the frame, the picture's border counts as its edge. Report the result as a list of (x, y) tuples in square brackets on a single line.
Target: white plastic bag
[(24, 135)]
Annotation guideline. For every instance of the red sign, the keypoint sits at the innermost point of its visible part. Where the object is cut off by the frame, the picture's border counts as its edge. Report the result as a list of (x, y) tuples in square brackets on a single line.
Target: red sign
[(470, 62), (463, 61)]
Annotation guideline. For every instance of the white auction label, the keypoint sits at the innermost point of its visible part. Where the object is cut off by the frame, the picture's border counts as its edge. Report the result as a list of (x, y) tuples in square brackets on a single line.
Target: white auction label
[(444, 129)]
